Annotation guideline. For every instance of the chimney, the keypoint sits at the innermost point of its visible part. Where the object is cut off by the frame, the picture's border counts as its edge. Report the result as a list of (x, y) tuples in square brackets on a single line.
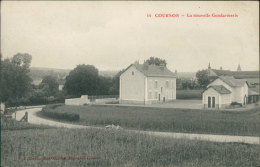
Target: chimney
[(209, 70), (175, 71), (136, 62), (220, 68)]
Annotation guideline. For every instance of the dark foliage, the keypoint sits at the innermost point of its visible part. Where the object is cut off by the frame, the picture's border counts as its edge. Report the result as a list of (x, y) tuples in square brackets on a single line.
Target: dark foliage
[(157, 61), (49, 85), (236, 103), (84, 80), (15, 81), (48, 111), (203, 79)]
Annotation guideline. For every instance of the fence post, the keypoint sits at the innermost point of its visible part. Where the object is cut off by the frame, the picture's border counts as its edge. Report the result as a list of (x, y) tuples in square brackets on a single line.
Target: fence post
[(26, 116)]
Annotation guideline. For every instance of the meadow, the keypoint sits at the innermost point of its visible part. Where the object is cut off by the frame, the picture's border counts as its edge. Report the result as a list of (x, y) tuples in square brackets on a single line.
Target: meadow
[(241, 123), (95, 147), (189, 94)]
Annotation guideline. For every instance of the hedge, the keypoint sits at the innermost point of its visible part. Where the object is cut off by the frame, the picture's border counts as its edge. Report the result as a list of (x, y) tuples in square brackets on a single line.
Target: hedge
[(48, 111)]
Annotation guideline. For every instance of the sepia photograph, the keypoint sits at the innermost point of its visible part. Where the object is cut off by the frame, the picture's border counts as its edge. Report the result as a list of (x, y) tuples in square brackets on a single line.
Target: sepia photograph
[(129, 83)]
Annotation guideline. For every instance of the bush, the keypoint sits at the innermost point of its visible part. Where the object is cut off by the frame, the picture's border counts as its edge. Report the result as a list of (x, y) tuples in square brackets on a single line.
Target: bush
[(48, 111), (236, 103)]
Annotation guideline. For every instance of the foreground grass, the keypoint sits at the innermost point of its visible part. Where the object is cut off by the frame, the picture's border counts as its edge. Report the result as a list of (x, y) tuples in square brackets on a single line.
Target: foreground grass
[(117, 148), (242, 123), (12, 125)]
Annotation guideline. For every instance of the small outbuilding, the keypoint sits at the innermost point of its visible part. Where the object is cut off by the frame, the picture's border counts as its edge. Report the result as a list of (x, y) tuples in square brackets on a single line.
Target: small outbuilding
[(224, 90), (216, 96)]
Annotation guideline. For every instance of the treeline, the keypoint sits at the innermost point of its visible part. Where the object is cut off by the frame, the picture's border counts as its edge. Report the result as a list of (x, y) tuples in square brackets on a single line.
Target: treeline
[(17, 88)]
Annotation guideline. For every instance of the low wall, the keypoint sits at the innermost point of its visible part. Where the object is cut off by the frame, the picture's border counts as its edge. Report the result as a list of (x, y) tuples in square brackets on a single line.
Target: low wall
[(105, 100), (78, 101), (131, 102), (2, 106)]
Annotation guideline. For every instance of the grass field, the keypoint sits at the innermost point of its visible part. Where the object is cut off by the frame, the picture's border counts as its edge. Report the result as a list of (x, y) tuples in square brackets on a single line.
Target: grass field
[(13, 125), (242, 123), (189, 94), (57, 147)]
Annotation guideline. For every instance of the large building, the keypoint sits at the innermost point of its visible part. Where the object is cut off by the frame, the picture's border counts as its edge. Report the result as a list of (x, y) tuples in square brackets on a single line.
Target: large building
[(147, 84)]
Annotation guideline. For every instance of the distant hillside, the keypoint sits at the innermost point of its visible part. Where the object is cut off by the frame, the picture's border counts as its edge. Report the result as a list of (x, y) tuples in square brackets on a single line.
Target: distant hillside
[(108, 73), (37, 73)]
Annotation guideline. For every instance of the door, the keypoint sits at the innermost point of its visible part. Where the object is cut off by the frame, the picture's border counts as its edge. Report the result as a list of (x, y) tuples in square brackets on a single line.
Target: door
[(213, 102), (209, 102)]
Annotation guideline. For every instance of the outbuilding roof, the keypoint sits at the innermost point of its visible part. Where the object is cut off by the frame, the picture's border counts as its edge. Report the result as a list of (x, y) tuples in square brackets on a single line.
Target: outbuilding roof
[(250, 93), (152, 70), (220, 89)]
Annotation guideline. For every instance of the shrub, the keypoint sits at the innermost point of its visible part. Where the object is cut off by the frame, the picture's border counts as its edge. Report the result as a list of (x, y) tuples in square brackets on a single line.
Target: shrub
[(236, 103), (48, 111)]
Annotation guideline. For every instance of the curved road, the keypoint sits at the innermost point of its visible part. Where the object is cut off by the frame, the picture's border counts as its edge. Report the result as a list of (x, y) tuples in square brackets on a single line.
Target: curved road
[(32, 118)]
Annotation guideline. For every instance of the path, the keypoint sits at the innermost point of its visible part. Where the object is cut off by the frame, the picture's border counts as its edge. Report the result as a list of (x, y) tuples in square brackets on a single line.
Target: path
[(32, 118)]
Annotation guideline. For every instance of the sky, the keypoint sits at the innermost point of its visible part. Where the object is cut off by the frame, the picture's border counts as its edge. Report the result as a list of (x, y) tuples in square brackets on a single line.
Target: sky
[(112, 35)]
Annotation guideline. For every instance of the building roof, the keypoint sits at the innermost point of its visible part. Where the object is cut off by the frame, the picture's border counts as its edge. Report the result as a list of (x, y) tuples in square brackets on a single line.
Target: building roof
[(236, 74), (250, 93), (245, 74), (252, 80), (222, 72), (220, 89), (153, 70), (232, 81)]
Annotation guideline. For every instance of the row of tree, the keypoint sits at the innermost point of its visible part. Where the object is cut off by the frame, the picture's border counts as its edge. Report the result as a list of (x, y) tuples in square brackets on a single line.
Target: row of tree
[(17, 87), (84, 79)]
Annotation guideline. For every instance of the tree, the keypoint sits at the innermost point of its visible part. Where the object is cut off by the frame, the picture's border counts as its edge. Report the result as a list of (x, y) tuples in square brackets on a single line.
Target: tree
[(49, 85), (203, 78), (82, 80), (114, 89), (15, 80), (156, 61)]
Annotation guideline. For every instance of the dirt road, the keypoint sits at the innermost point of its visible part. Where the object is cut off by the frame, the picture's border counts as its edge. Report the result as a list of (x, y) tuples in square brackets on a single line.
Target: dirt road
[(32, 118)]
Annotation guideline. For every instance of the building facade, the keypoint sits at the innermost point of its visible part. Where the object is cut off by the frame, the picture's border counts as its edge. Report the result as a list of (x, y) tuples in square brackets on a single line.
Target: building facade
[(147, 84)]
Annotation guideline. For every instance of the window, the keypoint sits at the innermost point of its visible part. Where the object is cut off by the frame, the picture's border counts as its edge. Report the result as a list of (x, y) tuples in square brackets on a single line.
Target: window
[(150, 84), (161, 89), (150, 95), (133, 73), (167, 84), (155, 84), (156, 95), (172, 94)]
